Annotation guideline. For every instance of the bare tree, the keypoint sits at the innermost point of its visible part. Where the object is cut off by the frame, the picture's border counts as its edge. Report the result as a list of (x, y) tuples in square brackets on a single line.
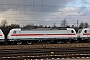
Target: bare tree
[(86, 25), (83, 25), (54, 25), (45, 26), (40, 26), (64, 23), (3, 23)]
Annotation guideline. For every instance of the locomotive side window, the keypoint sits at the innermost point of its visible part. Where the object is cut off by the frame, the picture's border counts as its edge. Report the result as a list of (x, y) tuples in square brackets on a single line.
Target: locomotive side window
[(14, 32), (72, 31), (85, 31)]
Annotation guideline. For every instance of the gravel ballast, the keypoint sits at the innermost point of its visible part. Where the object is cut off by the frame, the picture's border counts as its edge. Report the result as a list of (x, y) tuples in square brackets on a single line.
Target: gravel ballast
[(45, 46)]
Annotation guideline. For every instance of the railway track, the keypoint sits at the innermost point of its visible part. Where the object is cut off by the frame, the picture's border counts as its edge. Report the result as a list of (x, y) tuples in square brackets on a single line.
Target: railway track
[(45, 53), (45, 46)]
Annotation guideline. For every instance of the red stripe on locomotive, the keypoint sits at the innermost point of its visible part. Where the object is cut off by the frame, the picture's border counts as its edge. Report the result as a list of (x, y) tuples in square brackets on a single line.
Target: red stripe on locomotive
[(86, 34), (39, 34), (27, 35), (0, 34)]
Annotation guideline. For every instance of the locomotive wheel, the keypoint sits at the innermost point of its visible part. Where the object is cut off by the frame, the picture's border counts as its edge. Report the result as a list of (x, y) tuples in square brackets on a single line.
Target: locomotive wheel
[(68, 41), (29, 42), (88, 40), (59, 42), (19, 43)]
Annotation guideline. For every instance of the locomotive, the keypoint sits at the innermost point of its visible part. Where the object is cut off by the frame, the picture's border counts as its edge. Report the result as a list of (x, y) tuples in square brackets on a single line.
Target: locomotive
[(42, 35), (45, 35), (84, 35)]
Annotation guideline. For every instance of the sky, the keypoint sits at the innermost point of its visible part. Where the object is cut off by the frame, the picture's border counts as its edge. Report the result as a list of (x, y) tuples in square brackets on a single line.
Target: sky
[(45, 12)]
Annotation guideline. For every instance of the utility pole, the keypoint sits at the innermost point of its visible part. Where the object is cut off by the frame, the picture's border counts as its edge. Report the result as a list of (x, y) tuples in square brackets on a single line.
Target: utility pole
[(42, 3), (33, 5), (77, 23)]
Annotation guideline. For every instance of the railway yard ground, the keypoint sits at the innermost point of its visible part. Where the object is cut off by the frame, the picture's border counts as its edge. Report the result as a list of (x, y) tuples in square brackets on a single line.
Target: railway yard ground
[(44, 46), (72, 51)]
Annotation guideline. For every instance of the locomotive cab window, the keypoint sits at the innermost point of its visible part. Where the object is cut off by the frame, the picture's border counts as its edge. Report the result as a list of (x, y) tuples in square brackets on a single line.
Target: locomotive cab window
[(85, 31), (72, 31), (14, 32)]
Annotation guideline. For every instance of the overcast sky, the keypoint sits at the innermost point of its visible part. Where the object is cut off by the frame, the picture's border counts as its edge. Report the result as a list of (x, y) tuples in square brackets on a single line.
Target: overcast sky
[(44, 12)]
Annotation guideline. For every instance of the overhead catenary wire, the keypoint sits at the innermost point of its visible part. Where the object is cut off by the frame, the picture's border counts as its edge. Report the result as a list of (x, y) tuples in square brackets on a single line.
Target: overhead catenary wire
[(20, 17)]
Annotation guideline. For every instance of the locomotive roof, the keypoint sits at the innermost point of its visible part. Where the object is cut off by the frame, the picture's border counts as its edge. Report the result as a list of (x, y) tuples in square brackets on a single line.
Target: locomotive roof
[(46, 29), (49, 29), (87, 28)]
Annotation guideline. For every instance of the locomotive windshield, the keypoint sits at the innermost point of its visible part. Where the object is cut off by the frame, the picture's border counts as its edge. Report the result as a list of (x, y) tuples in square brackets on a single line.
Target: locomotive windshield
[(72, 31), (85, 31), (79, 31), (14, 32)]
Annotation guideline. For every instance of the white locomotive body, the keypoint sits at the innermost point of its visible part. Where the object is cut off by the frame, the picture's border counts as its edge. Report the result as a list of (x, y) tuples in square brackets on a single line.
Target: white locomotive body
[(42, 34), (2, 37), (84, 34)]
